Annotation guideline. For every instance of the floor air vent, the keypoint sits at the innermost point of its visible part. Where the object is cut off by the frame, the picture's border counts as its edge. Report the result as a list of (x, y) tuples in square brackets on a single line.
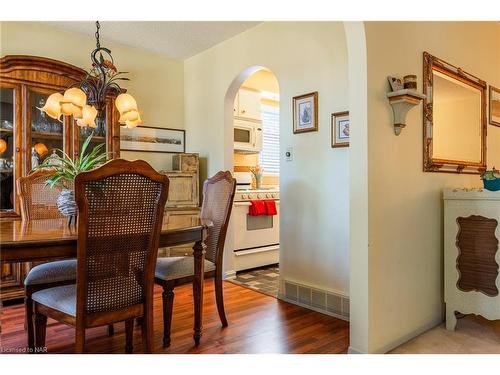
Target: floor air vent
[(319, 300)]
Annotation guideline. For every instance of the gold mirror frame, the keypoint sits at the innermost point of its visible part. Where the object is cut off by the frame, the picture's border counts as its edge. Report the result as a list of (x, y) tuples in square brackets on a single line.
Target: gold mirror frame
[(432, 63)]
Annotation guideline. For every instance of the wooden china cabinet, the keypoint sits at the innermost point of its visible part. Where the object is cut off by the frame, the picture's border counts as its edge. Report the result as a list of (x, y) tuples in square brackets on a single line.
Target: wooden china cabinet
[(29, 136)]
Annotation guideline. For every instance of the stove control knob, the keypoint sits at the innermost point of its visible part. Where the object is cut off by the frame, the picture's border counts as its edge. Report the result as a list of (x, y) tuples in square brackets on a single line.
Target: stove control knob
[(273, 195), (259, 196), (268, 195), (243, 196)]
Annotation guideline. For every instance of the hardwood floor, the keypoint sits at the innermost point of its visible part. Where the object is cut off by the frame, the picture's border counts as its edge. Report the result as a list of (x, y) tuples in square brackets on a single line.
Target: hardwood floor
[(257, 324)]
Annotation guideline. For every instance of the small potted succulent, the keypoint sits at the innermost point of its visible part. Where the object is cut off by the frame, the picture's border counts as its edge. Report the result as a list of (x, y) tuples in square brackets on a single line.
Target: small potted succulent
[(491, 179), (66, 169)]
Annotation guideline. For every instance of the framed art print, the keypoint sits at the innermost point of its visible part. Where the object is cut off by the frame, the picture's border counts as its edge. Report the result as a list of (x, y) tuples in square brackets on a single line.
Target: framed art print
[(150, 139), (305, 113), (340, 129), (494, 106)]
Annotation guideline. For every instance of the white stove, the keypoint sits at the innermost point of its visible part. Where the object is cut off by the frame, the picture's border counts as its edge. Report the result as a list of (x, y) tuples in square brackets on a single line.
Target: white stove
[(256, 238)]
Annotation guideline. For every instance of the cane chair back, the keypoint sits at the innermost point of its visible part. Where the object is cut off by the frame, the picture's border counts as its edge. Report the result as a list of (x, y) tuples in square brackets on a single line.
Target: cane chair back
[(218, 196), (37, 200), (120, 214)]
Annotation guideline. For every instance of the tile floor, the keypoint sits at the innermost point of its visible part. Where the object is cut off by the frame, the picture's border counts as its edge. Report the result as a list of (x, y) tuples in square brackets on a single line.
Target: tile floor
[(264, 280), (473, 334)]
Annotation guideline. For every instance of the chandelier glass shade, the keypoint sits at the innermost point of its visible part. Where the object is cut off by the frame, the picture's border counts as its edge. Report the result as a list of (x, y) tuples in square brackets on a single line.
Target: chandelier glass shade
[(85, 100)]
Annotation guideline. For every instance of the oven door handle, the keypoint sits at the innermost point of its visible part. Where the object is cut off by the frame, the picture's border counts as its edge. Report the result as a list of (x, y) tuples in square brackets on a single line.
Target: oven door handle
[(249, 204)]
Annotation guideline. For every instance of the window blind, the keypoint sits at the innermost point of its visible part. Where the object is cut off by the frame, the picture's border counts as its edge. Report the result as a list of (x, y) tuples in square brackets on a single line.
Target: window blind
[(270, 154)]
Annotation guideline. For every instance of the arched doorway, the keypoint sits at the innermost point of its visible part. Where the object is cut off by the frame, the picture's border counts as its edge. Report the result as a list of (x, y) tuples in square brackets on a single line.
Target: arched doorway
[(252, 128)]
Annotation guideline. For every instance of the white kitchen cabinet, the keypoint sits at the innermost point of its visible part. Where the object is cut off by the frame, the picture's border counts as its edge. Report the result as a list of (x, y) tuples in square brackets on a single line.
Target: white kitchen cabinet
[(247, 104)]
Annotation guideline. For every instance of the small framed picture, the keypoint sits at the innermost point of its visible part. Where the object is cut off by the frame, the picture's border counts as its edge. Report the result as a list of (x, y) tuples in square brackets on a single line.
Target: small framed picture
[(494, 106), (305, 113), (340, 129)]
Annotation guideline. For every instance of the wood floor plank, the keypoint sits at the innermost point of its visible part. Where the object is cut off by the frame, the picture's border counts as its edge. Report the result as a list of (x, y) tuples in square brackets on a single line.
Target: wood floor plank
[(257, 324)]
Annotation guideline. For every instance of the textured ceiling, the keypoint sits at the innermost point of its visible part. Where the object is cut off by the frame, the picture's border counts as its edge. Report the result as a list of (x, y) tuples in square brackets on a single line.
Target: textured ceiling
[(176, 39)]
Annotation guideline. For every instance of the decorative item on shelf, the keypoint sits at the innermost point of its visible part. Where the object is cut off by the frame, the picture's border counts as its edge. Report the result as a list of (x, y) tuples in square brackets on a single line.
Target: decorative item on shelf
[(402, 101), (305, 113), (86, 100), (491, 179), (494, 106), (257, 173), (41, 149), (3, 146), (6, 124), (395, 83), (410, 82), (38, 151), (66, 169), (34, 158)]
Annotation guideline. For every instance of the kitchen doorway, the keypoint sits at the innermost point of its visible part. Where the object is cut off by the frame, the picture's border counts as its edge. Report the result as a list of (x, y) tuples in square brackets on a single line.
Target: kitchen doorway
[(255, 216)]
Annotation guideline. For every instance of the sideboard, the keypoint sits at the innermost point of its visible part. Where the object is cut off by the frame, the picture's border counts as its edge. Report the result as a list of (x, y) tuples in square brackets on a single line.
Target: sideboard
[(471, 256)]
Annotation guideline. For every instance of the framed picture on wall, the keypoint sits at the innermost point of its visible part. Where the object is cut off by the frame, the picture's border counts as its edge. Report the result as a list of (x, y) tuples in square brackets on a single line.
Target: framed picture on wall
[(150, 139), (305, 113), (494, 106), (340, 129)]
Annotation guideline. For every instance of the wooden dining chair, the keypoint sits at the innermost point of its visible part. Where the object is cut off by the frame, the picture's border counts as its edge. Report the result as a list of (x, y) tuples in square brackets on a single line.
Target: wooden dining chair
[(120, 214), (218, 196), (40, 202)]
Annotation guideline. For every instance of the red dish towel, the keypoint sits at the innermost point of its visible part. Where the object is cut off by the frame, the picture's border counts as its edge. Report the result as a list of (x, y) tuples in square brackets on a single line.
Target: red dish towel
[(270, 207), (257, 207)]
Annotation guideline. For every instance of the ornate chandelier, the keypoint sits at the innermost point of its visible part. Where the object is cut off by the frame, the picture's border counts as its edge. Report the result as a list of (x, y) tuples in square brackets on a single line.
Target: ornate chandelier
[(86, 99)]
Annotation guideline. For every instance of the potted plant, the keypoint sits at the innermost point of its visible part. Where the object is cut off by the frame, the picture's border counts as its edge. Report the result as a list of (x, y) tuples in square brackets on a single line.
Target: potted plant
[(66, 169), (257, 173), (491, 179)]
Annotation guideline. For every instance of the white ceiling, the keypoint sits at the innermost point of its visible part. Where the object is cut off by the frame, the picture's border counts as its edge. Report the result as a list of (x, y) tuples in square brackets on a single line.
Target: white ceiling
[(176, 39)]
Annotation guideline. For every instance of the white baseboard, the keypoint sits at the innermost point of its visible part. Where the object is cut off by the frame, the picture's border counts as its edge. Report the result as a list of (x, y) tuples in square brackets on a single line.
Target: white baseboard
[(394, 344), (228, 275), (353, 350)]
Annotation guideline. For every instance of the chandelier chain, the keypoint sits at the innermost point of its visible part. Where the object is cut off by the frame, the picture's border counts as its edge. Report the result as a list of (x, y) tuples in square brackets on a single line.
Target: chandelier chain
[(98, 26)]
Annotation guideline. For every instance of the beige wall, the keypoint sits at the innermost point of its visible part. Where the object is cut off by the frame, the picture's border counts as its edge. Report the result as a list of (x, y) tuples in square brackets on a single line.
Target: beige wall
[(405, 205), (315, 185), (155, 81)]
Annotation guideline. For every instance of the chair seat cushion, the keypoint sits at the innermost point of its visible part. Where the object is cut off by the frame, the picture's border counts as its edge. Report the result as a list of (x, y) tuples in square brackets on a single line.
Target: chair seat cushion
[(52, 272), (172, 268), (61, 298)]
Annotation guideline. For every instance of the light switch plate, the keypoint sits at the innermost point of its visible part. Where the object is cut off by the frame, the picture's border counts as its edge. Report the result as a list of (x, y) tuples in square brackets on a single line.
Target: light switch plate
[(289, 154)]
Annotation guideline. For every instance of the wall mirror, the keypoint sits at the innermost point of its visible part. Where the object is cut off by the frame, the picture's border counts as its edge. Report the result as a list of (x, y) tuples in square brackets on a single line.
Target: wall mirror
[(454, 119)]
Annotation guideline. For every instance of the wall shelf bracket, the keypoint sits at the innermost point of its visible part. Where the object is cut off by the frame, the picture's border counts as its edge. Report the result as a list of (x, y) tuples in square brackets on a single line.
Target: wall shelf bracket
[(401, 102)]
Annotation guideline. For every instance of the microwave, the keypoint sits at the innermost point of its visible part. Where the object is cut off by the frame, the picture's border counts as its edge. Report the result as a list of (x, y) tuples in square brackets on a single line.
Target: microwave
[(247, 136)]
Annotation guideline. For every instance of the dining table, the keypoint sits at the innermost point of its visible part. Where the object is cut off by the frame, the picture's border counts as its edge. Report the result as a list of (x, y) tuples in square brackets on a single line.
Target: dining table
[(50, 239)]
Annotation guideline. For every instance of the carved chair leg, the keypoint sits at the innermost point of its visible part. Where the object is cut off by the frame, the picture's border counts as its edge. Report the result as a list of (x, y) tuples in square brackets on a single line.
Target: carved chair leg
[(80, 340), (29, 320), (40, 323), (168, 306), (219, 297), (111, 330), (129, 336)]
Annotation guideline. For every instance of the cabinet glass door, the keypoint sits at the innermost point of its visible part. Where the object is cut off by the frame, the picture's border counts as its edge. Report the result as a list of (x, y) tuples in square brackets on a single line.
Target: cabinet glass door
[(7, 149), (47, 134)]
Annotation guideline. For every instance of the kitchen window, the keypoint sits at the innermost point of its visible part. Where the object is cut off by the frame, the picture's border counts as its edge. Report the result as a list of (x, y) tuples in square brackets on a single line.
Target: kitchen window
[(270, 154)]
